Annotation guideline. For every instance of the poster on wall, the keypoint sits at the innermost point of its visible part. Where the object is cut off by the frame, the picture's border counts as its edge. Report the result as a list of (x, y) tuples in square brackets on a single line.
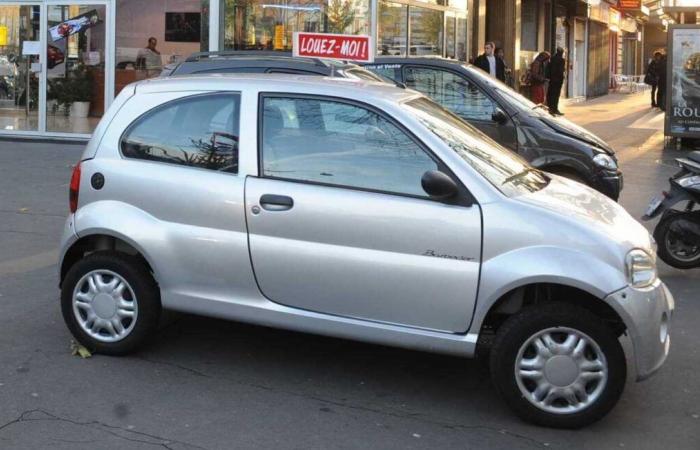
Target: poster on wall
[(683, 82), (75, 25), (183, 27)]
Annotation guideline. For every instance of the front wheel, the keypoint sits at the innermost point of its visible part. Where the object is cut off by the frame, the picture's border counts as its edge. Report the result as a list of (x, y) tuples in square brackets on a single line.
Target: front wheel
[(558, 365), (676, 245)]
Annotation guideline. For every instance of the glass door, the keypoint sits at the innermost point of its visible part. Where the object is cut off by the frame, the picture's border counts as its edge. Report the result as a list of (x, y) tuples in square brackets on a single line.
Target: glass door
[(78, 66), (20, 68)]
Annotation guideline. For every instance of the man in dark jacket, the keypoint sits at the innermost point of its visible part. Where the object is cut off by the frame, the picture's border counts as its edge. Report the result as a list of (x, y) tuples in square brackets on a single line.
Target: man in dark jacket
[(661, 89), (490, 63), (652, 77), (557, 68)]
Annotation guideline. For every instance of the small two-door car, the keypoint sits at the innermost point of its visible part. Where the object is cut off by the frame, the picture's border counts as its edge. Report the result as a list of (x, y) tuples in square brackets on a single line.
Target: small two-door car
[(362, 211), (549, 143)]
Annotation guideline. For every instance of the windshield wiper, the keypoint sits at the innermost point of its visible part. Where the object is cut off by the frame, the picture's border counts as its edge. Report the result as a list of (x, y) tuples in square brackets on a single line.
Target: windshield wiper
[(520, 175)]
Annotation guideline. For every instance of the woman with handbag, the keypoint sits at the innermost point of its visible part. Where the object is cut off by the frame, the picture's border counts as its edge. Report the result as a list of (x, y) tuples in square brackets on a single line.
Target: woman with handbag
[(538, 77)]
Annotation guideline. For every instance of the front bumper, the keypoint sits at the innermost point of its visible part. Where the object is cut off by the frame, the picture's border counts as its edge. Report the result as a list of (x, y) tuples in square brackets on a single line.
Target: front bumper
[(647, 314), (609, 183)]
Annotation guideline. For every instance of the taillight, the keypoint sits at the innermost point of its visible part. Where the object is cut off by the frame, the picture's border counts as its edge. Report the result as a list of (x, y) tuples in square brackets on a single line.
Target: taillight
[(74, 189)]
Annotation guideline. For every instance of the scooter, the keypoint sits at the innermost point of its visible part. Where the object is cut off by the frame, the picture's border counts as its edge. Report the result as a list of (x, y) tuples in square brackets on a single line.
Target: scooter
[(678, 232)]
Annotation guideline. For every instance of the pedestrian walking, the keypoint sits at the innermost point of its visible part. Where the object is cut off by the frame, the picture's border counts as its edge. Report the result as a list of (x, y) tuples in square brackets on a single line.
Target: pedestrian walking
[(652, 77), (661, 89), (538, 78), (489, 63), (557, 67)]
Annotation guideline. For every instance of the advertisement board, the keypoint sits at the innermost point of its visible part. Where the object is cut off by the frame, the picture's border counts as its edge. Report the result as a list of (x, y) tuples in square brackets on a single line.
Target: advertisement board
[(75, 25), (346, 47), (683, 82)]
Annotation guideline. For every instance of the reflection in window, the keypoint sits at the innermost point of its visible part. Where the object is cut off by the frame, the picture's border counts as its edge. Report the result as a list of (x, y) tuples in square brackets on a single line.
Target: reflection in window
[(199, 131), (340, 144), (393, 29), (426, 32), (270, 24), (461, 37), (501, 167), (452, 91)]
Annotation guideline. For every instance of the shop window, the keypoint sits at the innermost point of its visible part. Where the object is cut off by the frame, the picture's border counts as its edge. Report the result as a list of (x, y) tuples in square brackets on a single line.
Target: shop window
[(450, 36), (155, 33), (462, 37), (270, 24), (529, 29), (427, 28), (392, 29)]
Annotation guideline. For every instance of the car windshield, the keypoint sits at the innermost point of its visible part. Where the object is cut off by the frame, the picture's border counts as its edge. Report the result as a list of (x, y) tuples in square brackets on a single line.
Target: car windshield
[(506, 171)]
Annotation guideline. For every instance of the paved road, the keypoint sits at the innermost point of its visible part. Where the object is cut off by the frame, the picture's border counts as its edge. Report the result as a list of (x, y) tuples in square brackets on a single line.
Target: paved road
[(211, 384)]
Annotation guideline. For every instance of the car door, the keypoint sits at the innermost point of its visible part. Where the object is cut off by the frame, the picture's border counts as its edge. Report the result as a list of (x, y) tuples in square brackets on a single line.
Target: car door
[(339, 223), (463, 97)]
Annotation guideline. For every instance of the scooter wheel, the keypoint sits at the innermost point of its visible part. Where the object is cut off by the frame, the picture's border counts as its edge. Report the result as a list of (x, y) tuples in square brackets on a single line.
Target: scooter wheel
[(673, 249)]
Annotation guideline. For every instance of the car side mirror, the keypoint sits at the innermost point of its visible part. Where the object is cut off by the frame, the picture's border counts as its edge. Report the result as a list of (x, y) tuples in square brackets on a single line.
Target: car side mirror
[(499, 116), (438, 185)]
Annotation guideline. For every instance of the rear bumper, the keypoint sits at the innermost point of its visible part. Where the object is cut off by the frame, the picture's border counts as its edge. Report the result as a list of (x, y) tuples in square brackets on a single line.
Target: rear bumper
[(647, 314)]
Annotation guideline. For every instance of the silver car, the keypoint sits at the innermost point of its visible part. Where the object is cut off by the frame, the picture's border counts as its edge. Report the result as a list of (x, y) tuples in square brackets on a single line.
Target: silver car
[(362, 211)]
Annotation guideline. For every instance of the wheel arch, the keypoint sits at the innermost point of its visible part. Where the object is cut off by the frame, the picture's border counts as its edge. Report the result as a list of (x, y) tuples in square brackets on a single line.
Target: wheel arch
[(101, 241), (527, 294)]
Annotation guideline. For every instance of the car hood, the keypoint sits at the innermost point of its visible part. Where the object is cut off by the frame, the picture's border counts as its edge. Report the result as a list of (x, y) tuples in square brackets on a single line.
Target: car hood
[(592, 216), (568, 128)]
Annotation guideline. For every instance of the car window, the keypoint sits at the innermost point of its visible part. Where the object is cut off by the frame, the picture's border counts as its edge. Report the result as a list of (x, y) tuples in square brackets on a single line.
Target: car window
[(389, 71), (452, 91), (340, 144), (199, 131)]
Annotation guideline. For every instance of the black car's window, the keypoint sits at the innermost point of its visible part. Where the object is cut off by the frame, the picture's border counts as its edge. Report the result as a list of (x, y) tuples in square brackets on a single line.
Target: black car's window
[(199, 131), (390, 71), (336, 143), (451, 90)]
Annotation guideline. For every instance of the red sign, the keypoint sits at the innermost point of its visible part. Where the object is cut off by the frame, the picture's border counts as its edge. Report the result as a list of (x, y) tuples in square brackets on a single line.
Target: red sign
[(629, 4), (347, 47)]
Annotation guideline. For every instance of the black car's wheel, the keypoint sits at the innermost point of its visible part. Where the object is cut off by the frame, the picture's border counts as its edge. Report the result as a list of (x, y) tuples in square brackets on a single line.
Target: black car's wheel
[(558, 365), (110, 302), (675, 249)]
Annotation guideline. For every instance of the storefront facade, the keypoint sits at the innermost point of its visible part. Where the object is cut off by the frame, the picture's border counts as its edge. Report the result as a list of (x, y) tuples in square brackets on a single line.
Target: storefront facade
[(62, 62)]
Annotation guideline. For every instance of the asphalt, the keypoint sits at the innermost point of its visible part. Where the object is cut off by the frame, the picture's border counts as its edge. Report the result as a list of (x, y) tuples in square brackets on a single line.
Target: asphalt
[(212, 384)]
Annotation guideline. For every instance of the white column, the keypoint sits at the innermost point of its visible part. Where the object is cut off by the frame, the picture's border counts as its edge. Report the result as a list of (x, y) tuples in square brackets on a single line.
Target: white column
[(214, 24)]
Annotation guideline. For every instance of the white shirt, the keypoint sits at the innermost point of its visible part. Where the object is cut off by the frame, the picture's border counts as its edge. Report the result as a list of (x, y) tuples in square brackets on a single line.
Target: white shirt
[(492, 65)]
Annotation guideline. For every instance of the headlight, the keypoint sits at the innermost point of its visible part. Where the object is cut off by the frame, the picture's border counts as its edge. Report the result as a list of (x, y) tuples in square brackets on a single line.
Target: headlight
[(641, 268), (689, 181), (605, 161)]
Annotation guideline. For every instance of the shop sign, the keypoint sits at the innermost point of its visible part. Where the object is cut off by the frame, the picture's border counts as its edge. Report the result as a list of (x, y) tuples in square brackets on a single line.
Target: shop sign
[(629, 4), (75, 25), (683, 82), (345, 47), (3, 35)]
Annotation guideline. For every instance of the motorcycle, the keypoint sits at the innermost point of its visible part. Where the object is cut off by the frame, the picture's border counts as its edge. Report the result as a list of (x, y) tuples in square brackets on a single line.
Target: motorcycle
[(678, 232)]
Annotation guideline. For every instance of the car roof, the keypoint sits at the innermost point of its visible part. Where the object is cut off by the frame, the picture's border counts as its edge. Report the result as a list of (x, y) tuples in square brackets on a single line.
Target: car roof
[(199, 62), (308, 84)]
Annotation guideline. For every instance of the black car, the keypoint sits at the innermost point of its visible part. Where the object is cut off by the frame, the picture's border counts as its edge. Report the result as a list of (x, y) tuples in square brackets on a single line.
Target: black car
[(549, 143), (266, 62)]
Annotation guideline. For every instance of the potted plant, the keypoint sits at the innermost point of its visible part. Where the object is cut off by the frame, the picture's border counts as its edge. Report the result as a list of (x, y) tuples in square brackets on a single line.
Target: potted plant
[(77, 92)]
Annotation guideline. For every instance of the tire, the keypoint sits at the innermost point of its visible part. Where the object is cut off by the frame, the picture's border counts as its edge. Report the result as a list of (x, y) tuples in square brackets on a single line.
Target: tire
[(663, 240), (133, 302), (555, 319)]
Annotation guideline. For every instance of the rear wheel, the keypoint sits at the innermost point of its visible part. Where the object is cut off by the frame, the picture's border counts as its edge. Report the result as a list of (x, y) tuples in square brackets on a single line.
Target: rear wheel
[(675, 249), (110, 302), (558, 365)]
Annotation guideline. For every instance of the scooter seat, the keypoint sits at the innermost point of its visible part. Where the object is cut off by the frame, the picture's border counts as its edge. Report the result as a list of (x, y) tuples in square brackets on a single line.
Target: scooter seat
[(694, 156)]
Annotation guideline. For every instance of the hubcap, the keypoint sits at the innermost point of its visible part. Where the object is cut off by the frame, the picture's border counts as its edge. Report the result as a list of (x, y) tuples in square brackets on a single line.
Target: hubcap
[(561, 370), (105, 306), (681, 250)]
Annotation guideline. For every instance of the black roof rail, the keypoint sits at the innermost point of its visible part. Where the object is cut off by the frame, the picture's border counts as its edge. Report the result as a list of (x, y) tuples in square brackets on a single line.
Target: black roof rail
[(198, 56)]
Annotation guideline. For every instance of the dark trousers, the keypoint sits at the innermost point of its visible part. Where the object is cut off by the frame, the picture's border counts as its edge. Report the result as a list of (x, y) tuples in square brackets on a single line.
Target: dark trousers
[(553, 94), (661, 96), (653, 95)]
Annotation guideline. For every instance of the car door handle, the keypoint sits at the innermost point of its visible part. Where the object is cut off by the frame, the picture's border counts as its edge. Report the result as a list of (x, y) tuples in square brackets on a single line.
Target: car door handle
[(271, 202)]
